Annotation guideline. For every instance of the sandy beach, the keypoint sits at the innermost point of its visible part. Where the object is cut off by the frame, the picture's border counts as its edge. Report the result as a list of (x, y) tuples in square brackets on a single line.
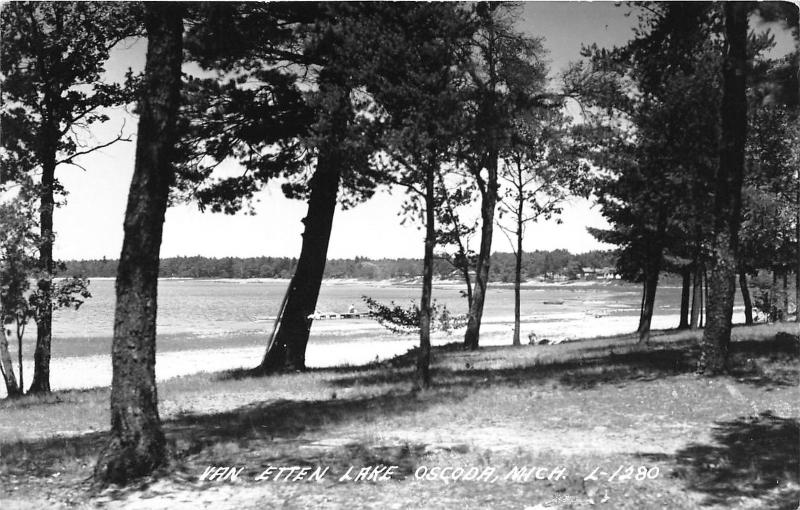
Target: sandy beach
[(79, 372)]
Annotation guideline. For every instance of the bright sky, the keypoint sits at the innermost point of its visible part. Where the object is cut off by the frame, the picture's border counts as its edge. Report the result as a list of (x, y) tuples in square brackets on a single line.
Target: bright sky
[(90, 224)]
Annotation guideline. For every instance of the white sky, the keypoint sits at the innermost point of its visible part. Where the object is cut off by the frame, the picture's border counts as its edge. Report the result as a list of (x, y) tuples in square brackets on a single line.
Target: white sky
[(90, 224)]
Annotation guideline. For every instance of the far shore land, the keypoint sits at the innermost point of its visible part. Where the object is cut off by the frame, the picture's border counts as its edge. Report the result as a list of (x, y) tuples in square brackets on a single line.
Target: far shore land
[(417, 280)]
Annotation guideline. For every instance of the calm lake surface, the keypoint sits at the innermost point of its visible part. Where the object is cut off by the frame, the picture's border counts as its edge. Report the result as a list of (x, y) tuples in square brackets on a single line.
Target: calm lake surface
[(231, 309)]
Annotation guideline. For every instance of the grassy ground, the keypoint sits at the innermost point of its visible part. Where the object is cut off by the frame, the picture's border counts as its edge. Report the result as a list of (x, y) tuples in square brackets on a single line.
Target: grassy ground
[(587, 408)]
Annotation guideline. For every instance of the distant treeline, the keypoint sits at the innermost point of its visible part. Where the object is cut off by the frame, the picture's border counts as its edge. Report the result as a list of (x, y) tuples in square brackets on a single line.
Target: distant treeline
[(537, 263)]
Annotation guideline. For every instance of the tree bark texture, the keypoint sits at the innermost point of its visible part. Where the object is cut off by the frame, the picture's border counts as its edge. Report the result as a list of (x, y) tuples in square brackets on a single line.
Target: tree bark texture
[(785, 294), (517, 284), (686, 290), (289, 349), (137, 446), (488, 205), (697, 296), (44, 318), (650, 286), (423, 373), (748, 303), (7, 366), (728, 198)]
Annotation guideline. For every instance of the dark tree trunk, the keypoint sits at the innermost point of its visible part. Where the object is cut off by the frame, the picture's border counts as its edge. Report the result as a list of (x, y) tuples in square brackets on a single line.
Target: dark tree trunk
[(518, 270), (288, 351), (44, 318), (488, 204), (785, 295), (728, 197), (641, 306), (517, 283), (488, 198), (686, 291), (748, 303), (137, 447), (651, 283), (423, 375), (773, 298), (20, 329), (697, 296)]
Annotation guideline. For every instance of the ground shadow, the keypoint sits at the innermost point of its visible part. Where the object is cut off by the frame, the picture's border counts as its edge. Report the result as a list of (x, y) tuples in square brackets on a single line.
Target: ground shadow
[(761, 363), (233, 432), (754, 457)]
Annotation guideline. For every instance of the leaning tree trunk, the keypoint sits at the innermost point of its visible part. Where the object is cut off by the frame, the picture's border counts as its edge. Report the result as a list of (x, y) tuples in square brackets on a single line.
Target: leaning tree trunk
[(488, 204), (728, 198), (137, 445), (7, 366), (748, 303), (423, 374), (488, 197), (686, 290), (289, 348), (697, 296), (44, 316), (651, 283)]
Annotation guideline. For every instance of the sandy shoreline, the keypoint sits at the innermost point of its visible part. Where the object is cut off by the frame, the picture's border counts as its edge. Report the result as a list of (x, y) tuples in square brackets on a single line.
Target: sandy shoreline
[(82, 372)]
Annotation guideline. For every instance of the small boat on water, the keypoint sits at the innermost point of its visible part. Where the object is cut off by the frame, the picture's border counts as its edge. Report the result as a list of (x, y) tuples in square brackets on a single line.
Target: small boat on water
[(553, 302)]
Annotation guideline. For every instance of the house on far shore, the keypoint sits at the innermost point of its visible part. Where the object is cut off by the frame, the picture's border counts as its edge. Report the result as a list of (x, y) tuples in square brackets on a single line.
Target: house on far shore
[(609, 273), (596, 273)]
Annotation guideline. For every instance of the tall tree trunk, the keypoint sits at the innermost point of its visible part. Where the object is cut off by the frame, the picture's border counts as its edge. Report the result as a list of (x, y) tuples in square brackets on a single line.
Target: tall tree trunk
[(651, 283), (289, 348), (785, 295), (44, 316), (728, 197), (137, 446), (490, 118), (517, 282), (686, 291), (423, 375), (20, 330), (641, 306), (697, 296), (488, 204), (748, 303), (7, 366), (773, 298)]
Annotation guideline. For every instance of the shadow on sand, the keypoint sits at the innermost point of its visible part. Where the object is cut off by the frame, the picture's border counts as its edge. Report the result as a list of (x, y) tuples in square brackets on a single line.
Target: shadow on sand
[(754, 457), (761, 363)]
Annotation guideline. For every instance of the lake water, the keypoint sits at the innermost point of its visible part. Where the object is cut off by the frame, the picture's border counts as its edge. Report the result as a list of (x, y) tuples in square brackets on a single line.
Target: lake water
[(226, 320)]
